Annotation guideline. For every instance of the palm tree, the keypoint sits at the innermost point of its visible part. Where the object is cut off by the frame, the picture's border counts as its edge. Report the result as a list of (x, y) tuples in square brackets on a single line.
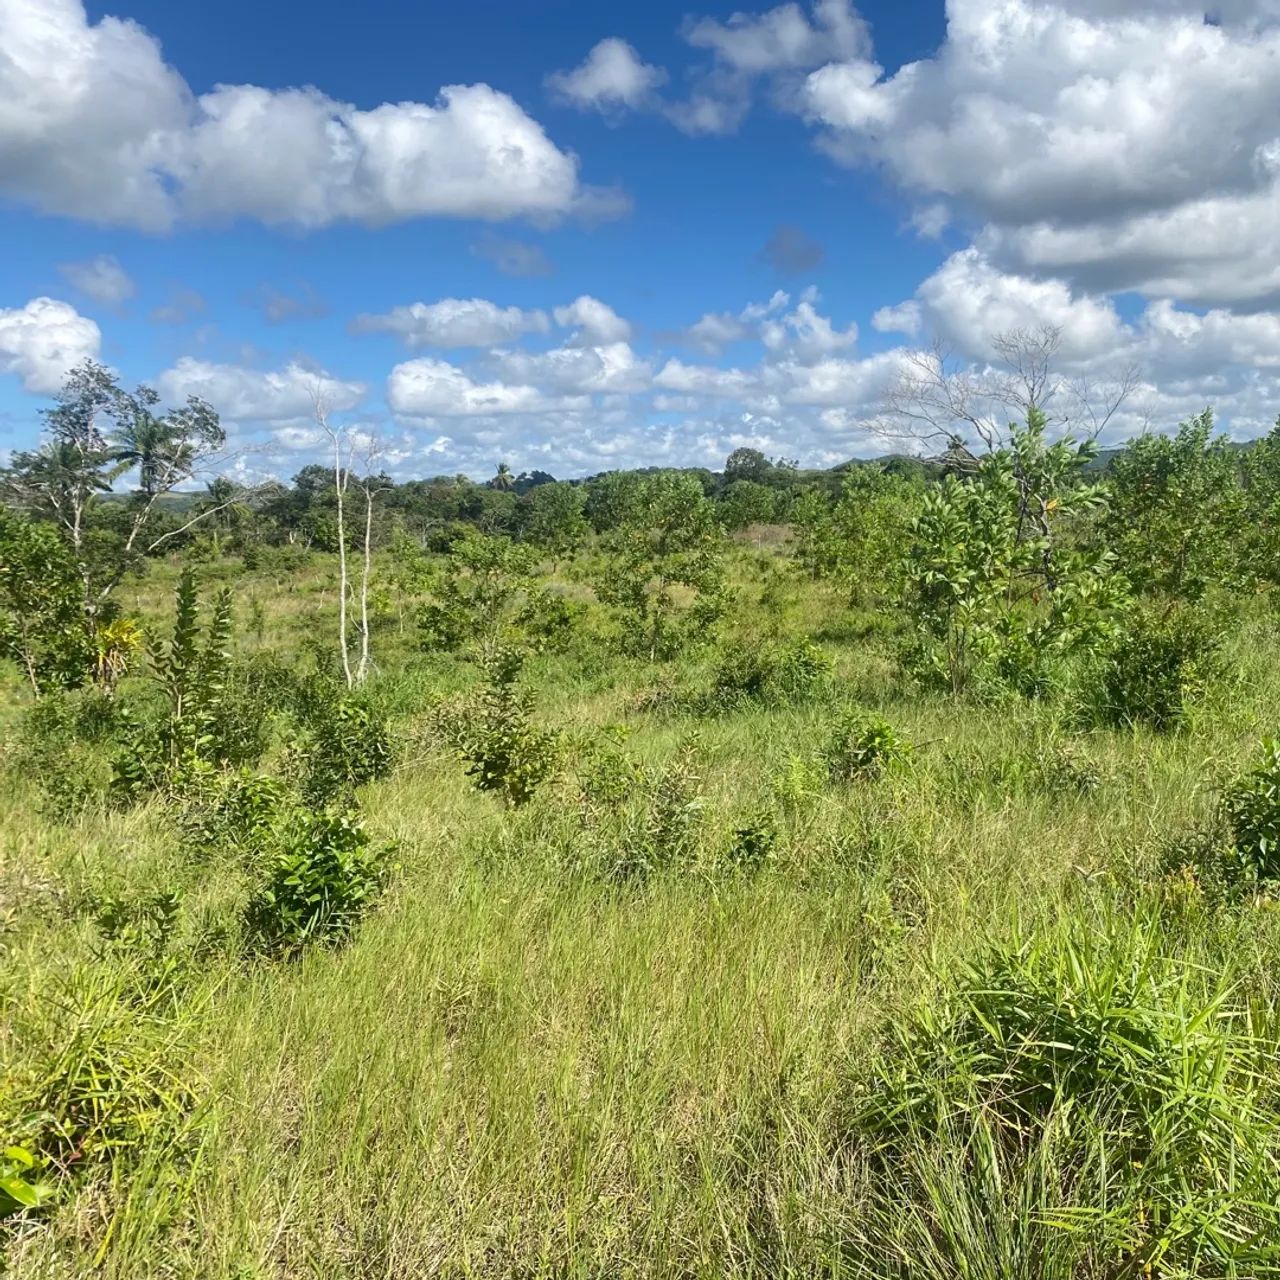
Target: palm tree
[(223, 504), (221, 499), (152, 445), (503, 480)]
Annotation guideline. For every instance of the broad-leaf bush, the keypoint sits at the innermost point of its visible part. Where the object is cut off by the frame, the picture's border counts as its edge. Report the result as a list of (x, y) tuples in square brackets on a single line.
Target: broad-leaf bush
[(348, 744), (999, 589), (665, 575), (1177, 517), (482, 597), (863, 746), (1157, 668), (42, 623), (1251, 813), (505, 751), (321, 876)]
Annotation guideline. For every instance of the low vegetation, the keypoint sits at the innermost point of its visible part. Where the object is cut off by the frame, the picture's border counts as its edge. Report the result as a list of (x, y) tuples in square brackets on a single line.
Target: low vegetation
[(868, 873)]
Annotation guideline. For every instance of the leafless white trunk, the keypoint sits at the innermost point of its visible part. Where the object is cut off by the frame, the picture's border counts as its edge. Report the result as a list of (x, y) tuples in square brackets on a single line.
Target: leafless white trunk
[(339, 442), (362, 670), (352, 597)]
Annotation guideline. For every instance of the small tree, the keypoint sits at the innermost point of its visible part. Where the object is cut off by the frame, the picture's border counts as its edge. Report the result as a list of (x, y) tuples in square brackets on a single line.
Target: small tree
[(556, 522), (665, 573), (747, 464), (192, 670), (1178, 512), (747, 502), (42, 622), (96, 433), (504, 750), (478, 598), (856, 541), (995, 583), (228, 508), (610, 496), (1262, 509)]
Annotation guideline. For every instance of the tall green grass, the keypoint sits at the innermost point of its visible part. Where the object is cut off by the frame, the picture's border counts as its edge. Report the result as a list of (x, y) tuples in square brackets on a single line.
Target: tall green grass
[(960, 1021)]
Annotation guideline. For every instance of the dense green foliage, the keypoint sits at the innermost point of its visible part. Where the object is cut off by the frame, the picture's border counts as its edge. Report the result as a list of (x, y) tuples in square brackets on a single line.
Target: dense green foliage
[(41, 625)]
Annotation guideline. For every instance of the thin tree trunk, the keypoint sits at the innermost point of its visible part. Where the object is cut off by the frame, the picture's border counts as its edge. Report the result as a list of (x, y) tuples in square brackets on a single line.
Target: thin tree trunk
[(363, 669), (339, 484), (29, 661)]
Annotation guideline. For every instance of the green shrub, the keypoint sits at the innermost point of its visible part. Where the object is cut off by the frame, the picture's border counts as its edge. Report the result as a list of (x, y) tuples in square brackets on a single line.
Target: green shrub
[(607, 777), (1251, 811), (1157, 668), (547, 620), (43, 627), (205, 712), (756, 672), (753, 841), (321, 878), (236, 816), (674, 807), (1064, 768), (479, 597), (862, 746), (349, 745), (504, 750), (803, 669), (59, 746), (797, 783), (744, 672), (142, 926)]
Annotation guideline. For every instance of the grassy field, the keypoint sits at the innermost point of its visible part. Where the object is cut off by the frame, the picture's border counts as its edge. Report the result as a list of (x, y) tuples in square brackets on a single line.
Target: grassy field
[(522, 1064)]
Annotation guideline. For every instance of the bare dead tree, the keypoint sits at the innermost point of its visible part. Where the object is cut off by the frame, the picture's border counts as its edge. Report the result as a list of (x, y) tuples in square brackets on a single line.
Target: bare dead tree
[(347, 447), (952, 405), (340, 450), (935, 401), (370, 486)]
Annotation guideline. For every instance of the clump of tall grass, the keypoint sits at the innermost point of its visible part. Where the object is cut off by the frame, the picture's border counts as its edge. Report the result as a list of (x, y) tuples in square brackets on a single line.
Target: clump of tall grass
[(1236, 853), (103, 1072), (769, 673), (1119, 1096)]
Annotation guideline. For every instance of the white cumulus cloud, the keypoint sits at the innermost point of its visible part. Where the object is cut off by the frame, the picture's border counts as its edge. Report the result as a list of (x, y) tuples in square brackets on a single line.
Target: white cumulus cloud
[(612, 77), (805, 335), (94, 124), (596, 322), (613, 368), (41, 341), (1128, 145), (455, 322), (253, 395), (428, 388), (102, 278), (783, 38)]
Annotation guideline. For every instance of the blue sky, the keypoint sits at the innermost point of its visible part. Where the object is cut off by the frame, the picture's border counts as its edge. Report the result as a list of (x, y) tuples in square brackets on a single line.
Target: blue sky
[(635, 234)]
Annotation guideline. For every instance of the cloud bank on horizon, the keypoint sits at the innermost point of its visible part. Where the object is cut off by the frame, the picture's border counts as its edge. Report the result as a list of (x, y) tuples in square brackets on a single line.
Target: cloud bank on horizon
[(1111, 169)]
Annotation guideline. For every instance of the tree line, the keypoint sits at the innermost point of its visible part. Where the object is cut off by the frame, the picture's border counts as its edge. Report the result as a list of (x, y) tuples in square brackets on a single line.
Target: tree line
[(1005, 563)]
